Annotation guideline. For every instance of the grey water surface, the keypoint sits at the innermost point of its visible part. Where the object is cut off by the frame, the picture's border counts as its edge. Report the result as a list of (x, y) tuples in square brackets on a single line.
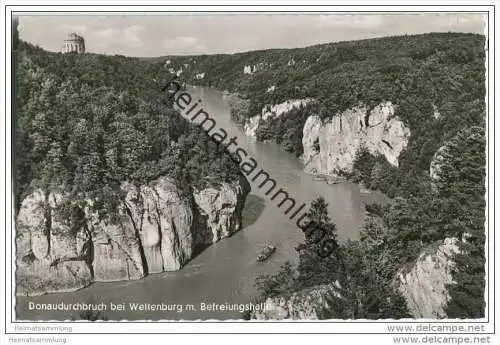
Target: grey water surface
[(225, 271)]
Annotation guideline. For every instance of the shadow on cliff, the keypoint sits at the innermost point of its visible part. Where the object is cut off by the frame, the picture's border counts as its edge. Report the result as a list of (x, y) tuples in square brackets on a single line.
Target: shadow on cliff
[(254, 206)]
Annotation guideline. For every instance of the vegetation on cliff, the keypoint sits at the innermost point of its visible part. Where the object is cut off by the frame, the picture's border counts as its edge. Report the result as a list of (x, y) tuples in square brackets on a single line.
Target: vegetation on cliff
[(359, 271), (437, 83), (423, 213), (287, 129), (419, 74), (86, 123)]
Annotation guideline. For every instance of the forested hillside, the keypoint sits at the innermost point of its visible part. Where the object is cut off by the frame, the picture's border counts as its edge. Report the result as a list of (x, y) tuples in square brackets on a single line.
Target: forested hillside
[(437, 84), (88, 122), (426, 76)]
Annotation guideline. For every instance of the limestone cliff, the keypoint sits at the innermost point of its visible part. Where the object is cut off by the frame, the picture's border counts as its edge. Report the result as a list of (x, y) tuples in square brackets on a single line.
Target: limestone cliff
[(270, 112), (307, 304), (157, 229), (424, 283), (330, 146), (51, 255), (221, 209), (436, 164)]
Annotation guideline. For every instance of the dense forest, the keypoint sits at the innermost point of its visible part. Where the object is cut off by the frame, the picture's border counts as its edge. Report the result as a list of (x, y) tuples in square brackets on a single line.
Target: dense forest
[(423, 213), (361, 272), (421, 73), (86, 123), (437, 82)]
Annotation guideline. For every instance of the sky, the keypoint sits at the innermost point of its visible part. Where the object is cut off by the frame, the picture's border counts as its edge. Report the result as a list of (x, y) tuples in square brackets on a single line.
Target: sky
[(191, 34)]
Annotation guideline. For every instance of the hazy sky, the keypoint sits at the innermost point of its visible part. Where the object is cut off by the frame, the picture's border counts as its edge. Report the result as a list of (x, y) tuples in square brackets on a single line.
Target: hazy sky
[(185, 34)]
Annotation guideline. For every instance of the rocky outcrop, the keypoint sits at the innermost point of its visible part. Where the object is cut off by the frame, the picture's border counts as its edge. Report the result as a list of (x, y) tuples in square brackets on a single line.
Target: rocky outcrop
[(270, 112), (424, 283), (51, 254), (436, 114), (62, 246), (330, 147), (164, 223), (249, 69), (307, 304), (436, 164), (221, 209)]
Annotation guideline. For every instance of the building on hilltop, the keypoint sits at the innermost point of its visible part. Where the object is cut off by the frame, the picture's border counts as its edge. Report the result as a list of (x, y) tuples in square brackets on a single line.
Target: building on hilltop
[(74, 44)]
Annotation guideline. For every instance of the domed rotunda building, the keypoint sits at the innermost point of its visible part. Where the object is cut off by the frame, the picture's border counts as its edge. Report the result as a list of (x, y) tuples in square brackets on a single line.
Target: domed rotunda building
[(74, 44)]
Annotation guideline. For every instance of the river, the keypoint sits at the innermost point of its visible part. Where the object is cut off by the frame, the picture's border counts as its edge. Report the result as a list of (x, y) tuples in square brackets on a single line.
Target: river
[(224, 272)]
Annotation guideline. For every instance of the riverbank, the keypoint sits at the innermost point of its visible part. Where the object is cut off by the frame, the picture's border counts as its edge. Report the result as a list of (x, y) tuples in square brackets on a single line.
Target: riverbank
[(225, 272)]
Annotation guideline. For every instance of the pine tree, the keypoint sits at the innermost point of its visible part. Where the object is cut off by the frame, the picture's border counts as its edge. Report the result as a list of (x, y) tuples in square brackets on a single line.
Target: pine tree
[(462, 189), (318, 257)]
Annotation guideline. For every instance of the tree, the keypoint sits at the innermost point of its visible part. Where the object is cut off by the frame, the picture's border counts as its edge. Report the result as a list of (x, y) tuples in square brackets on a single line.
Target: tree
[(278, 284), (366, 290), (318, 212), (360, 274), (462, 190), (83, 129)]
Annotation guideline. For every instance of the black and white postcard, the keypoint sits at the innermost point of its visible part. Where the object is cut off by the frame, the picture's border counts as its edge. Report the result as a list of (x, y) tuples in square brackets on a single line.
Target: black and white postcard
[(250, 169)]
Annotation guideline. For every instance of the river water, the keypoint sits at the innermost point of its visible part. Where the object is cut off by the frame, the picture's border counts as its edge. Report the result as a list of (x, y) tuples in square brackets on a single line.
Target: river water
[(225, 271)]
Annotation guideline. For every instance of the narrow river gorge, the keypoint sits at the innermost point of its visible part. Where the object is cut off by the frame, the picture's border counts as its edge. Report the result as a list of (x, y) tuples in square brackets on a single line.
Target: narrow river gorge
[(225, 271)]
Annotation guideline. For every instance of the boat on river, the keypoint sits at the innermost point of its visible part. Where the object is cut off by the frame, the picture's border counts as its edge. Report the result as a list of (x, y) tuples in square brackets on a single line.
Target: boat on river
[(266, 253), (334, 180), (319, 178), (328, 179)]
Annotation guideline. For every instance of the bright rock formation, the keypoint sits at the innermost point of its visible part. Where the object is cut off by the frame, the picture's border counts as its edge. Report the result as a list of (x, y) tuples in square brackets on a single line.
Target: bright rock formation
[(272, 111), (249, 69), (330, 147), (436, 164), (424, 284), (307, 304), (157, 229)]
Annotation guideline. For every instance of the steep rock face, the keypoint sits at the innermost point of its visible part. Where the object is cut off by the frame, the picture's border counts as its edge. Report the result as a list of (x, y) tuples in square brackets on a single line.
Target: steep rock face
[(221, 209), (424, 283), (272, 111), (51, 255), (307, 304), (164, 224), (157, 229), (330, 147), (249, 69)]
